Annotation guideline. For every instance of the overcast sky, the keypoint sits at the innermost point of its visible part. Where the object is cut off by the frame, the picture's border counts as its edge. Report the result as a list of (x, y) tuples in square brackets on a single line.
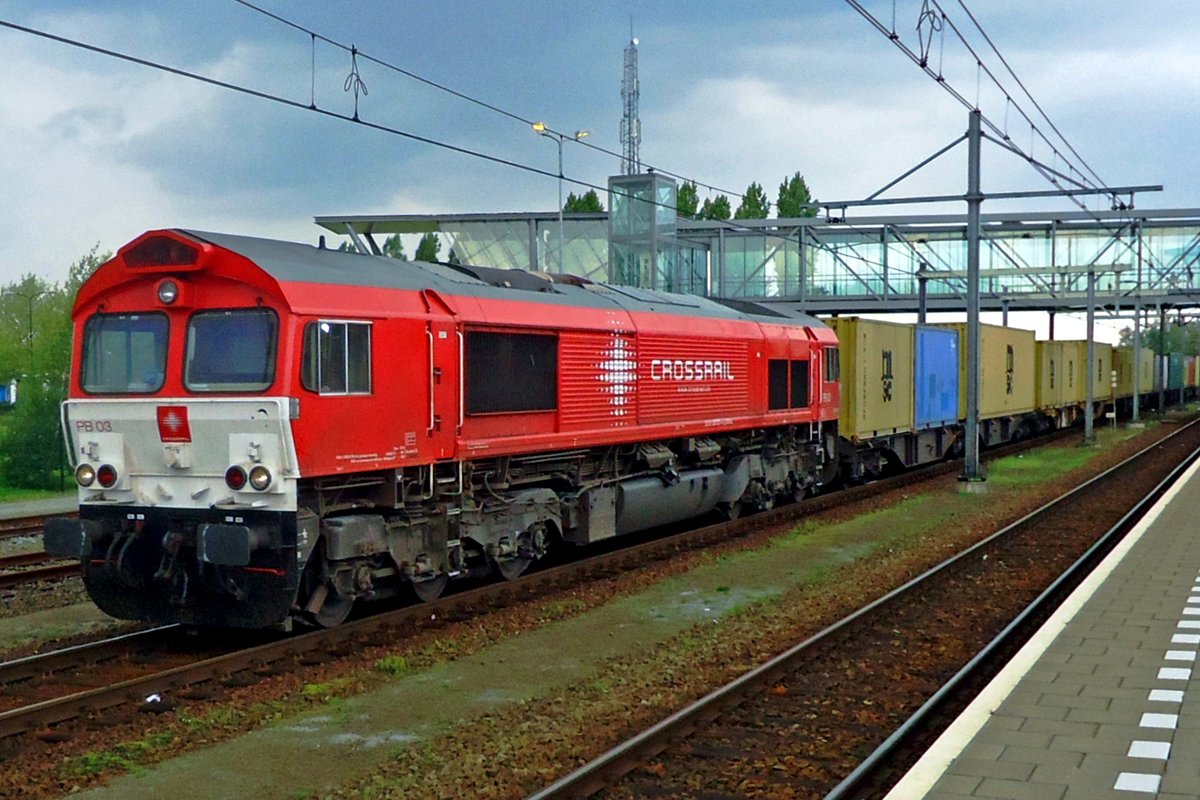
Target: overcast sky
[(96, 150)]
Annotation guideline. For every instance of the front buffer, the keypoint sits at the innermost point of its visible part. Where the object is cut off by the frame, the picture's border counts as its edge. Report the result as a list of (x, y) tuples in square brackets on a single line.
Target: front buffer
[(211, 568)]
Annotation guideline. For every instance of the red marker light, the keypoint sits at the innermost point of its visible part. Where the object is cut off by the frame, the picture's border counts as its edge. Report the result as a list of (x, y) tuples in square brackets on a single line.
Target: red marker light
[(235, 477), (106, 475)]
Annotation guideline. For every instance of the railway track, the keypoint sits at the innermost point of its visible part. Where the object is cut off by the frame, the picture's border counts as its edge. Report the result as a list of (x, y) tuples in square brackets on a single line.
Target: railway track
[(27, 526), (30, 567), (844, 713), (50, 695)]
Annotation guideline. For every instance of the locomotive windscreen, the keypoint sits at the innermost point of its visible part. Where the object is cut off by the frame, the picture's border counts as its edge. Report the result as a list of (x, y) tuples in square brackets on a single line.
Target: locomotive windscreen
[(124, 353), (231, 351)]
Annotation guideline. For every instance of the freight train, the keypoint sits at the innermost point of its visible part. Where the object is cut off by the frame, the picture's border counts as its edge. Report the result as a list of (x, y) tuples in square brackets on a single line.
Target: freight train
[(265, 432)]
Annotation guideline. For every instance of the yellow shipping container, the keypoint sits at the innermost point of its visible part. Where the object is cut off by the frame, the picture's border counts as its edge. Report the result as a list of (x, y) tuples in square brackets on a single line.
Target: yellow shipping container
[(1052, 374), (877, 376), (1007, 370), (1074, 386), (1102, 369), (1123, 361)]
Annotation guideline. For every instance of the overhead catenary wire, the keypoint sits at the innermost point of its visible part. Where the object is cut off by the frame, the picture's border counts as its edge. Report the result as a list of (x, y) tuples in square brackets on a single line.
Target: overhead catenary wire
[(1020, 83), (315, 36), (1049, 174), (312, 107)]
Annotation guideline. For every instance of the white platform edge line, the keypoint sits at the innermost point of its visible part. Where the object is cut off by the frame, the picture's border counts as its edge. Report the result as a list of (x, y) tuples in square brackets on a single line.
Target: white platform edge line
[(918, 781)]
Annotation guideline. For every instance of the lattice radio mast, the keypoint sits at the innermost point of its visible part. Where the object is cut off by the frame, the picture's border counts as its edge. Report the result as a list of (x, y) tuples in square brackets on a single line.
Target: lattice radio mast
[(631, 125)]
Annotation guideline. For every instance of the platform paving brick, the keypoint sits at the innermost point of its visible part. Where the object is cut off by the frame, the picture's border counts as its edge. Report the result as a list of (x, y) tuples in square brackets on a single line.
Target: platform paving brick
[(1112, 693), (1019, 790)]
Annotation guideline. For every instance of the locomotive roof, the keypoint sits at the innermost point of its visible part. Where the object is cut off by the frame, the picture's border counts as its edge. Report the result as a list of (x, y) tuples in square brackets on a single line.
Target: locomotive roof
[(292, 262)]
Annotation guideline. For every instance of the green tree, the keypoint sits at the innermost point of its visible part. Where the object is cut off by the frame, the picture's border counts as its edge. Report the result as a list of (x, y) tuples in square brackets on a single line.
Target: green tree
[(793, 195), (31, 449), (1180, 337), (394, 248), (717, 208), (589, 201), (754, 203), (687, 200), (428, 247)]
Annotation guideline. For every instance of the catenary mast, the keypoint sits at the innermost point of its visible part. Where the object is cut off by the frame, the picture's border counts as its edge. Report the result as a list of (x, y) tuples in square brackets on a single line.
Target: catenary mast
[(631, 125)]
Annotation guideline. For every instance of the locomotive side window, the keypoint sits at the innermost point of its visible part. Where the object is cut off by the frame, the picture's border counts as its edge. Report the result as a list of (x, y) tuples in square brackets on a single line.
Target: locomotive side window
[(799, 397), (833, 364), (231, 351), (336, 357), (777, 384), (124, 353), (511, 372), (787, 384)]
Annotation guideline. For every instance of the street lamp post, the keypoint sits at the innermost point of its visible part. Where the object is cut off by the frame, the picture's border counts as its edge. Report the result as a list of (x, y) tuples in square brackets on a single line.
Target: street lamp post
[(29, 297), (542, 130)]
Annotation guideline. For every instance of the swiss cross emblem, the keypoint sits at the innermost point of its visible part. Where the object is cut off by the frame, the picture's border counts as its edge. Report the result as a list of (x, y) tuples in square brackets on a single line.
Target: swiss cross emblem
[(173, 424)]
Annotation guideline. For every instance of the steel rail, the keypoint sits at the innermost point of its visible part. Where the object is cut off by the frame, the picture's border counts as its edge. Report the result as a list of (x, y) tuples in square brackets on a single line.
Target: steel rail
[(54, 572), (1050, 598), (608, 767), (57, 660), (51, 712)]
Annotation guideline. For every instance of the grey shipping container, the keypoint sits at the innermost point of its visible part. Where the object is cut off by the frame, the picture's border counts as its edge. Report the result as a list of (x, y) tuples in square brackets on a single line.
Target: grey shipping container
[(1175, 371), (935, 384)]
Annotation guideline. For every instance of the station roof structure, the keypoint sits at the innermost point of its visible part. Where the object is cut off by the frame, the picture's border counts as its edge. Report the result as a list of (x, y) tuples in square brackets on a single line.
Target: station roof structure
[(868, 264)]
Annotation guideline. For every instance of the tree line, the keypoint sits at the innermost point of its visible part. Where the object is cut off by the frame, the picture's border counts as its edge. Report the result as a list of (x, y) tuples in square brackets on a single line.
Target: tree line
[(35, 350), (791, 201)]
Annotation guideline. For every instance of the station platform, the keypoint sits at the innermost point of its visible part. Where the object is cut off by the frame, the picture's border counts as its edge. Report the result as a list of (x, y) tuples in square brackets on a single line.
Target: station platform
[(1103, 701)]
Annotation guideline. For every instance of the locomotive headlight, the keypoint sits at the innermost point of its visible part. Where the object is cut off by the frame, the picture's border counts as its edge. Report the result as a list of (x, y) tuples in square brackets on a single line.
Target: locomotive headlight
[(260, 477), (235, 478), (168, 292), (107, 475), (85, 475)]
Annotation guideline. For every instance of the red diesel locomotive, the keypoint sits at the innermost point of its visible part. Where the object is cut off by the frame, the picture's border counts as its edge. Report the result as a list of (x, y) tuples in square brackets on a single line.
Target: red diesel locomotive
[(264, 431)]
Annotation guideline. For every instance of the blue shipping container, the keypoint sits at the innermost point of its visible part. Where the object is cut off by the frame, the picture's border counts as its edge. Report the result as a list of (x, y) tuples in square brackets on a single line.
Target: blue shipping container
[(935, 378)]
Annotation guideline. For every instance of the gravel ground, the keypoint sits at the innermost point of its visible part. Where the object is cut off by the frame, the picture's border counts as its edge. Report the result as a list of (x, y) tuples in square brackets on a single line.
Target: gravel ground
[(516, 748)]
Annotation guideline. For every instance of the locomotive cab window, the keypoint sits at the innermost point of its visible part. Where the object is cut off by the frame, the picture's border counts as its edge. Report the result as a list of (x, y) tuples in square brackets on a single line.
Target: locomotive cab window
[(124, 353), (336, 357), (231, 351), (509, 372)]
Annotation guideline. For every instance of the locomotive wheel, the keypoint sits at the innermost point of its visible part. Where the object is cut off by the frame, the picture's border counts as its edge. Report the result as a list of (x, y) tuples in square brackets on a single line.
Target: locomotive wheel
[(429, 590), (322, 604), (531, 544), (512, 568)]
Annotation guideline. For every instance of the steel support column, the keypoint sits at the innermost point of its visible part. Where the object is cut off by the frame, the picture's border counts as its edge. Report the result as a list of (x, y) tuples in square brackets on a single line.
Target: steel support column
[(803, 238), (972, 470), (922, 299), (1089, 433), (1137, 331), (1161, 359)]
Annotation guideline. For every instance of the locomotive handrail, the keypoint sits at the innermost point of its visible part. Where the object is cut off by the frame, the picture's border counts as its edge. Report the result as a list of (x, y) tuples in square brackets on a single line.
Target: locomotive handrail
[(432, 407), (462, 347)]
